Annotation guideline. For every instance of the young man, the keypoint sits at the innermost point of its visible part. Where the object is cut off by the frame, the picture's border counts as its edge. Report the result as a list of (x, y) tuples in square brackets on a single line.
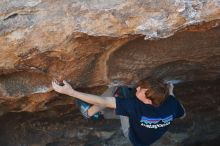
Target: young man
[(145, 117)]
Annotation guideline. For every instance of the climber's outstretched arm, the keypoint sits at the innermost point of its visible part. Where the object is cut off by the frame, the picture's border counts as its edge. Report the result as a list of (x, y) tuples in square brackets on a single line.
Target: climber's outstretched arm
[(89, 98)]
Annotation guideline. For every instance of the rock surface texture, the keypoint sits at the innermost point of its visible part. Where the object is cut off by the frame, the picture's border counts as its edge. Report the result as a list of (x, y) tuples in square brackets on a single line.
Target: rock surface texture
[(90, 44)]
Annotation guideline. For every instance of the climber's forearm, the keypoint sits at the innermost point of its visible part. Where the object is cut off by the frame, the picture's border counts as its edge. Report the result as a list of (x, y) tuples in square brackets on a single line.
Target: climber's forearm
[(94, 99), (170, 89), (171, 92)]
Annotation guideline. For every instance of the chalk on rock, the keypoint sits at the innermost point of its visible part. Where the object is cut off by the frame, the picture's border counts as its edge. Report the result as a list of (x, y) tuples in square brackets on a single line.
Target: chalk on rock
[(115, 83), (172, 81)]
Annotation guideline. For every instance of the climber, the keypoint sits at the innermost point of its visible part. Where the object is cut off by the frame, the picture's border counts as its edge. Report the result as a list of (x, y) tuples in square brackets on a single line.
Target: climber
[(145, 117)]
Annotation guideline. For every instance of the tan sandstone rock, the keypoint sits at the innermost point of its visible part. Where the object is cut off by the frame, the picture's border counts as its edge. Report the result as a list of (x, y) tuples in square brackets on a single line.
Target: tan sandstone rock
[(91, 43)]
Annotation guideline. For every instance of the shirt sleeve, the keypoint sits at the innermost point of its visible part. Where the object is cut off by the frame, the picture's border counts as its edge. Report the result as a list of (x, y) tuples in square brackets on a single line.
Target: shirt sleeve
[(124, 106), (180, 110)]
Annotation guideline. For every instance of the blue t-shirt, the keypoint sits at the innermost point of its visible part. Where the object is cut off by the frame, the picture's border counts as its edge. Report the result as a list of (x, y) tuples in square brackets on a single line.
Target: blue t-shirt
[(147, 122)]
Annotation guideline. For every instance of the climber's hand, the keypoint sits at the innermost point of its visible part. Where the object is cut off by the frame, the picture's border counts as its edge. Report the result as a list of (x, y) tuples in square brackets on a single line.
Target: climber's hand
[(65, 89)]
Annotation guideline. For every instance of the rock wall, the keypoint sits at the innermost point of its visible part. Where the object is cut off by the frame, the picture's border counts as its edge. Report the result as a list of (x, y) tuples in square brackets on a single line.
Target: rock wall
[(91, 43), (188, 55), (32, 27), (62, 125)]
